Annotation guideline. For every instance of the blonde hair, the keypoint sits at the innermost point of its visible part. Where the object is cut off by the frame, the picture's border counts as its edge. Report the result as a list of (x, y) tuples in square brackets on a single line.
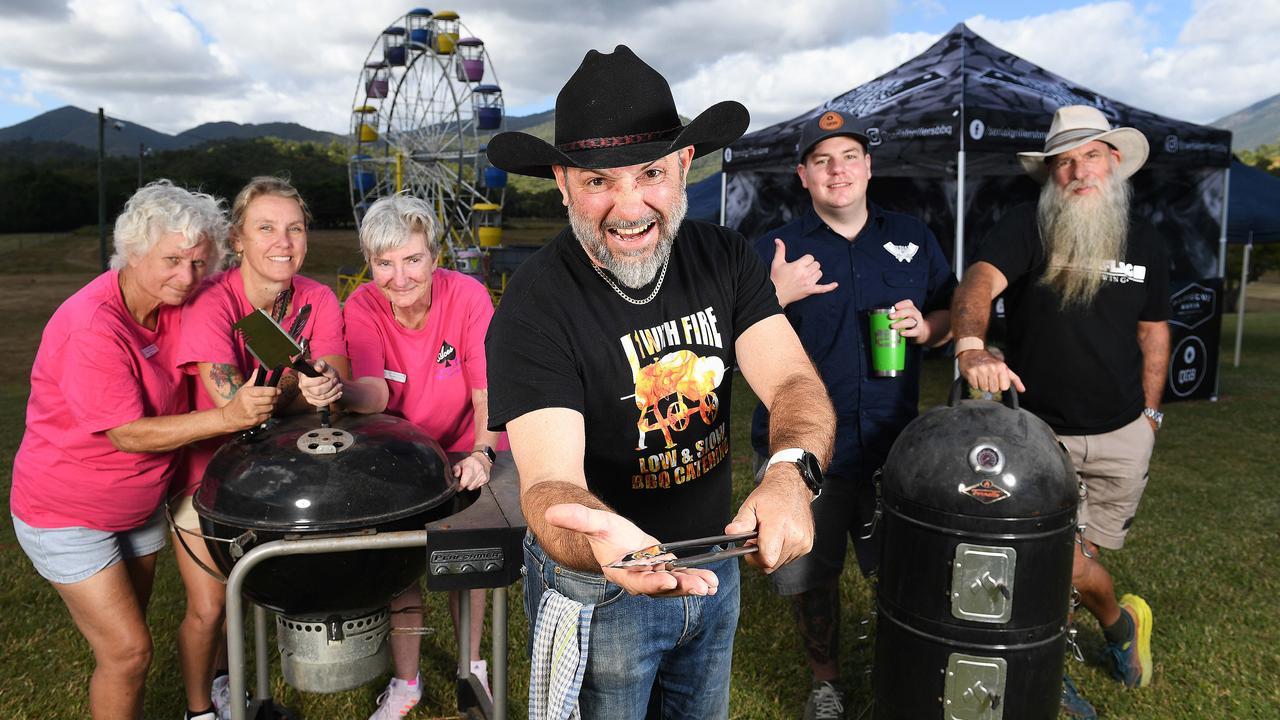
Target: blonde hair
[(265, 185), (161, 207)]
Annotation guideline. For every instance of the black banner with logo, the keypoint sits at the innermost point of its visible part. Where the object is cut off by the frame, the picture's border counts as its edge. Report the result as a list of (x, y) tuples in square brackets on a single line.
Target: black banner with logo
[(1195, 327)]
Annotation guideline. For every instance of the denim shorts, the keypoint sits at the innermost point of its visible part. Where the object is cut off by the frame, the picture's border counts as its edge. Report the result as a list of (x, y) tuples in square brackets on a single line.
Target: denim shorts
[(70, 554)]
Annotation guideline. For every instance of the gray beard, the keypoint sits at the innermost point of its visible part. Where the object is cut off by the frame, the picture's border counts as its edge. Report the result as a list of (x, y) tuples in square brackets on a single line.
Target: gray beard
[(1081, 235), (633, 271)]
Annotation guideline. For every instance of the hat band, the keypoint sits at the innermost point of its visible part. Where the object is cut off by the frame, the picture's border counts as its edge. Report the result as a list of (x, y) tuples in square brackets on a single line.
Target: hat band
[(619, 140), (1068, 137)]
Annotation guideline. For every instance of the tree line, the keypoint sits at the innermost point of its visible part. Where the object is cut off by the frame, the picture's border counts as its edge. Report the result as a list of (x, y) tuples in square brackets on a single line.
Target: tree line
[(53, 186)]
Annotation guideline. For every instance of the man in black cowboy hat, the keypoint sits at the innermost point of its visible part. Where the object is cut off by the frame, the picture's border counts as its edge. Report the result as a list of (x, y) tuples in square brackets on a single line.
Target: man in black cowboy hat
[(1086, 296), (611, 361)]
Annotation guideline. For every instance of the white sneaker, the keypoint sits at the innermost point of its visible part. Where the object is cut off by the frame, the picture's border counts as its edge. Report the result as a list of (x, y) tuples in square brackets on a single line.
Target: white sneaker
[(480, 669), (221, 696), (398, 699)]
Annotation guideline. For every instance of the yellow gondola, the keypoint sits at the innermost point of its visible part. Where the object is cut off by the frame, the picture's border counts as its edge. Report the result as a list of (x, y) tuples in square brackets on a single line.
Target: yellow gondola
[(446, 31), (487, 218)]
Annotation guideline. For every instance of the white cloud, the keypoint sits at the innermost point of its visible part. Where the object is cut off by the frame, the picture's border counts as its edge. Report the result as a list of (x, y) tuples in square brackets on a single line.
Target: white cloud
[(146, 60), (1223, 60), (776, 88)]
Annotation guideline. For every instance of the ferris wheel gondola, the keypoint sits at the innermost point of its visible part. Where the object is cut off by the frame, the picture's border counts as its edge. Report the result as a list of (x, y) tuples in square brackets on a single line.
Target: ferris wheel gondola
[(426, 100)]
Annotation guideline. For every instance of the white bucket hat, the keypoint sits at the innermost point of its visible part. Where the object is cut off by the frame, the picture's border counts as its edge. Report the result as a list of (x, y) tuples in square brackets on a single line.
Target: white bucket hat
[(1076, 125)]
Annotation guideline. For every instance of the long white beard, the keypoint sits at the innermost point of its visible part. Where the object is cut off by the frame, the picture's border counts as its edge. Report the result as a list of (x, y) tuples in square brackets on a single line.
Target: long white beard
[(1081, 234), (633, 271)]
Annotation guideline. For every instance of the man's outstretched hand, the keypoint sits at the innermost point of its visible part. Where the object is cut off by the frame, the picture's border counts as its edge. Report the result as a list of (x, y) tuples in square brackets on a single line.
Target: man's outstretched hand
[(613, 536)]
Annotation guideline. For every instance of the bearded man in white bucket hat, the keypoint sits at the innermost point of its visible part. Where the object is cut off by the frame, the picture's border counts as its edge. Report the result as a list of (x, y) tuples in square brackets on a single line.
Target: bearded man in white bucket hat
[(1086, 296)]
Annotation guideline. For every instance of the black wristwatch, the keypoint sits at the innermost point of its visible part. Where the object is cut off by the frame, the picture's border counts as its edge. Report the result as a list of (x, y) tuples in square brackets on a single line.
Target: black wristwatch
[(808, 465), (487, 452)]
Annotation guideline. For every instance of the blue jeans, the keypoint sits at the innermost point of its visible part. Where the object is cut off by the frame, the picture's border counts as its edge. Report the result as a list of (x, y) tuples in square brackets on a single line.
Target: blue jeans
[(648, 657)]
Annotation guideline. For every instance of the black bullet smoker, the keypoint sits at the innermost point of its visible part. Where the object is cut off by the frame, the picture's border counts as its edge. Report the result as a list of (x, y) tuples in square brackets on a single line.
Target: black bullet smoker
[(978, 511)]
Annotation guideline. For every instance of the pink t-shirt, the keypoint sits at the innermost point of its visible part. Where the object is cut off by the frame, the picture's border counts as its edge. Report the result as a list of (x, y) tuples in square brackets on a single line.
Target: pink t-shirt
[(207, 336), (430, 372), (97, 369)]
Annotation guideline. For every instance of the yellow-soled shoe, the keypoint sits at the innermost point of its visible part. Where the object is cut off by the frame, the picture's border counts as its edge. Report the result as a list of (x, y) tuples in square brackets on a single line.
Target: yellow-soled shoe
[(1131, 660)]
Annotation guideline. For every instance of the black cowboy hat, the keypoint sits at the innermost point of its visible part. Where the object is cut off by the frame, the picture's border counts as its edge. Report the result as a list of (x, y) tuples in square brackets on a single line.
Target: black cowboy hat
[(616, 111)]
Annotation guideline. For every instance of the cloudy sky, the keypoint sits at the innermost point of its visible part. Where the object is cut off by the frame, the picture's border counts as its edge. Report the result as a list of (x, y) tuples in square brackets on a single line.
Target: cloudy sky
[(173, 65)]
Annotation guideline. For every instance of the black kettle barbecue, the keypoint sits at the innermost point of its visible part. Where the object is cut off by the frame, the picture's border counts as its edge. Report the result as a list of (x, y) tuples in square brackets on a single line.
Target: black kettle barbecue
[(365, 474)]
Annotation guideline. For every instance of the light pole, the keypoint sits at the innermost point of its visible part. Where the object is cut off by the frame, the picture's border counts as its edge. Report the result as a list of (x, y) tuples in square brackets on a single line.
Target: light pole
[(102, 186), (143, 150), (102, 192)]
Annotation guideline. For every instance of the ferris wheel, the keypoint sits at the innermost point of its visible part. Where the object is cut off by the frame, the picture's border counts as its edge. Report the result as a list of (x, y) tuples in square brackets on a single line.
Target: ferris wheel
[(426, 100)]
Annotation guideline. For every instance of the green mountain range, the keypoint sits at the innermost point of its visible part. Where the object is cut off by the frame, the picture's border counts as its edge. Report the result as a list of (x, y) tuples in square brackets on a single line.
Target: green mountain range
[(72, 125), (1256, 125)]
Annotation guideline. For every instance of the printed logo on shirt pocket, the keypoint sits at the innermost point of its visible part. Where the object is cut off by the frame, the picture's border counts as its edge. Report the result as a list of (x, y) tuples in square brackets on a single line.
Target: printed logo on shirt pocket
[(447, 361), (447, 355)]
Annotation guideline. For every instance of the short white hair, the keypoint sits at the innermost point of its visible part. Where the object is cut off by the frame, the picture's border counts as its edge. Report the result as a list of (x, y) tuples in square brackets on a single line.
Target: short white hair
[(160, 208), (392, 219)]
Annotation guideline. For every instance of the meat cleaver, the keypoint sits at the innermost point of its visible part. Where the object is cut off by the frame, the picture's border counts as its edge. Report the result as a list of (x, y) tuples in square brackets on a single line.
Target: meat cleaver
[(272, 346)]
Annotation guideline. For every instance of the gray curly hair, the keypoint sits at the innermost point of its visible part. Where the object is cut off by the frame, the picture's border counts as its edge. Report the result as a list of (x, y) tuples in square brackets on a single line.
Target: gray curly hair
[(162, 207), (392, 219)]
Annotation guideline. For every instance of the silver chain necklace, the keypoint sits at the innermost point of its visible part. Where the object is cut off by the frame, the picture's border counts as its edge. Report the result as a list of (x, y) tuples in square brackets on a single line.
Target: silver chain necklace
[(628, 298)]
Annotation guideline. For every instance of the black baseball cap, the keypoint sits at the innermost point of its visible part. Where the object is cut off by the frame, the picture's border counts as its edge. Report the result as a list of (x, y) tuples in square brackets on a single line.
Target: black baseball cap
[(828, 124)]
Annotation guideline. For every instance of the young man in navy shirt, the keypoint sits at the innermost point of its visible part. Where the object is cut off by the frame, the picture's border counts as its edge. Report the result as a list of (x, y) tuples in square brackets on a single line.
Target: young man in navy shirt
[(830, 266)]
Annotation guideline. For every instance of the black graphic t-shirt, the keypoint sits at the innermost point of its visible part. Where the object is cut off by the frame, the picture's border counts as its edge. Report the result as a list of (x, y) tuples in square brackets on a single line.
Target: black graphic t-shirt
[(652, 381), (1082, 367)]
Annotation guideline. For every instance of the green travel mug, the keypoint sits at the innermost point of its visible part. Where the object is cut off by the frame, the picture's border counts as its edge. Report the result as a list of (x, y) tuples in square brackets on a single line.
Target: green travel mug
[(888, 347)]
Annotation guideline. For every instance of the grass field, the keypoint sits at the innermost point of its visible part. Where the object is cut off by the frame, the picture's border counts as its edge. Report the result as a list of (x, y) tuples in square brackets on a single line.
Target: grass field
[(1202, 553)]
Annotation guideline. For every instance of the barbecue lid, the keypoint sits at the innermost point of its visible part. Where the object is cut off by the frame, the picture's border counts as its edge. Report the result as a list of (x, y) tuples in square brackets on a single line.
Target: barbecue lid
[(982, 459), (296, 476)]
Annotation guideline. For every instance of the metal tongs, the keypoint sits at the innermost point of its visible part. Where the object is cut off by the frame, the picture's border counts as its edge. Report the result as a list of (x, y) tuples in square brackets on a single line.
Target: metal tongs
[(656, 555)]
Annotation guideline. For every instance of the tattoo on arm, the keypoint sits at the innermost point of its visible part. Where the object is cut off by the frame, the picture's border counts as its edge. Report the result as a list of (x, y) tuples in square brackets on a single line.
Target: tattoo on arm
[(288, 389), (226, 378), (817, 613)]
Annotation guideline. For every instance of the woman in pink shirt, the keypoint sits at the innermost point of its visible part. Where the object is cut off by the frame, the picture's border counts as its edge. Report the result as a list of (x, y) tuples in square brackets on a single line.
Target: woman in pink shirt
[(415, 336), (108, 410), (269, 237)]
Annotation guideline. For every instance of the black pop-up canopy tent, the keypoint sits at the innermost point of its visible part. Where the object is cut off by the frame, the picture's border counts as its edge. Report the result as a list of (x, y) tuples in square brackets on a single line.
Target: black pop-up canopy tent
[(944, 130), (1254, 217)]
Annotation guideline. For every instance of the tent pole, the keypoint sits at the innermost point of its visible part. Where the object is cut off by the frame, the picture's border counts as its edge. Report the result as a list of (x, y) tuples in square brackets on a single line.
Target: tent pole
[(724, 184), (1244, 283), (1222, 239), (959, 244), (1222, 273)]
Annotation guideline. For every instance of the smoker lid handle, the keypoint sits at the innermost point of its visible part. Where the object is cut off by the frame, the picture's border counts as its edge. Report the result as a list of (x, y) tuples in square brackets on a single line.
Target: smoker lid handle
[(960, 391)]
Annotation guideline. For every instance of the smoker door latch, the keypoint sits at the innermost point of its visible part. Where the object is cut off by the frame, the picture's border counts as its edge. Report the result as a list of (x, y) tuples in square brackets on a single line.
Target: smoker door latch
[(974, 687), (982, 583)]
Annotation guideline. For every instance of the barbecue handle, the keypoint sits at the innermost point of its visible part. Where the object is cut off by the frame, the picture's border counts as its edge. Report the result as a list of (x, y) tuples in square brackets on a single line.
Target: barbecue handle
[(959, 391)]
